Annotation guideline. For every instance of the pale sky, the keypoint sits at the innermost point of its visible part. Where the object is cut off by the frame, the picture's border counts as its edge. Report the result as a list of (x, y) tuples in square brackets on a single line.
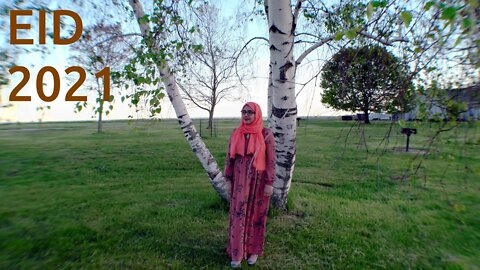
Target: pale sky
[(308, 101)]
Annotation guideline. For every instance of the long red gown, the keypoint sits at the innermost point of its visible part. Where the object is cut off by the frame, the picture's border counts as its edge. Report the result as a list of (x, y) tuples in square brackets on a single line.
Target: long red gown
[(249, 205)]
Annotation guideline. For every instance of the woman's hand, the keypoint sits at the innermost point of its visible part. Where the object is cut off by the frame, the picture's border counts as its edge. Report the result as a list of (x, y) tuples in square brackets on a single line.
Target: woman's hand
[(268, 191)]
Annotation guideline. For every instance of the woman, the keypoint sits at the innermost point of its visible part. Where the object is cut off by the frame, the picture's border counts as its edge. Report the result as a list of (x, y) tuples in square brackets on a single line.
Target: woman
[(249, 172)]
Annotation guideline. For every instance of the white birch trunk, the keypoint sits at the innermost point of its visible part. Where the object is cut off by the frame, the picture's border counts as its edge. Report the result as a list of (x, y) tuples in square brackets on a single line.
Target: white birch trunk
[(269, 94), (269, 99), (282, 88), (196, 143)]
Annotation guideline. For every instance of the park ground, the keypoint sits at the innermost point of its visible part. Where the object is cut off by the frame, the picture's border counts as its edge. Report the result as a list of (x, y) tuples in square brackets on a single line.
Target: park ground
[(135, 197)]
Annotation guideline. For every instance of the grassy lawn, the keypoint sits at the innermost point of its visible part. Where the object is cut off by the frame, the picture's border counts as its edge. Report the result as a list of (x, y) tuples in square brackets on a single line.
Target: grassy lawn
[(135, 197)]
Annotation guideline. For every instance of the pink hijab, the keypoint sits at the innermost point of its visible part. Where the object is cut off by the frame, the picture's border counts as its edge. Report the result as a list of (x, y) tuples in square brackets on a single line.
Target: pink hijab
[(256, 144)]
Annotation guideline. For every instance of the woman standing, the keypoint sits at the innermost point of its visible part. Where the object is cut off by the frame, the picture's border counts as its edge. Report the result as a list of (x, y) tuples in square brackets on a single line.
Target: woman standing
[(249, 172)]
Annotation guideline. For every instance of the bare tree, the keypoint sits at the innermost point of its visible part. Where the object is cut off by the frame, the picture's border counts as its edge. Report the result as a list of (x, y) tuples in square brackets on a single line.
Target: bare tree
[(101, 46), (211, 77)]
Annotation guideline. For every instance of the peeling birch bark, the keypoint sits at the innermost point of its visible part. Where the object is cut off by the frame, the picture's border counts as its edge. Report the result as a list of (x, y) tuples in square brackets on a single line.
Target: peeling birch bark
[(283, 105)]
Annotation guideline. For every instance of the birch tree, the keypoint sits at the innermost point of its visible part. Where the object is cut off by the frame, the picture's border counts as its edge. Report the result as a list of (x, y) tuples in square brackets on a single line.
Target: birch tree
[(166, 19), (283, 20)]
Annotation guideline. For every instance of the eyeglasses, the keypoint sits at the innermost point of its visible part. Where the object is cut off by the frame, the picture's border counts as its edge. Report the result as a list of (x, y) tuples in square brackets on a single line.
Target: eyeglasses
[(247, 112)]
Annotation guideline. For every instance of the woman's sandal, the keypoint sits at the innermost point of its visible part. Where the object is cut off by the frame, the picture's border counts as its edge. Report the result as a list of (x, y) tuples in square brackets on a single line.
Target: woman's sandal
[(235, 264), (252, 259)]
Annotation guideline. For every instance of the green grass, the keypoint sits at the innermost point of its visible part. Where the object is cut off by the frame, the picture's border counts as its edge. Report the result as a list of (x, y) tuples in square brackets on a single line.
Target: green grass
[(135, 197)]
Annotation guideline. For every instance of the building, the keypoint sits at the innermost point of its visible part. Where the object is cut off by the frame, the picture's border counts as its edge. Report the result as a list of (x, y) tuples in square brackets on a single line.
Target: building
[(468, 97)]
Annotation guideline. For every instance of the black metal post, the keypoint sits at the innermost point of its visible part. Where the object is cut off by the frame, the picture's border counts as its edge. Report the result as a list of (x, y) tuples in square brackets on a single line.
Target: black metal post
[(408, 141), (408, 132)]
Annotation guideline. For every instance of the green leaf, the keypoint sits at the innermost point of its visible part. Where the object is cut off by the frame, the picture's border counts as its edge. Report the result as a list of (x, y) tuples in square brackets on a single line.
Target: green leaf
[(369, 11), (466, 23), (375, 3), (406, 16), (449, 13), (309, 15), (143, 20), (429, 4), (473, 4), (459, 207), (339, 35), (418, 50), (383, 3), (457, 41), (110, 107), (351, 34)]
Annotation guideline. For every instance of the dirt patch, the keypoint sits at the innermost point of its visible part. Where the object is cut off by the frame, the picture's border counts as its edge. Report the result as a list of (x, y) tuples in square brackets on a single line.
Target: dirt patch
[(411, 150), (399, 178)]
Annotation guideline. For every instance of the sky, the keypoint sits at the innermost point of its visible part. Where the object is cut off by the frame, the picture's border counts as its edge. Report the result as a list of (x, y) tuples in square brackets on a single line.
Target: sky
[(308, 99)]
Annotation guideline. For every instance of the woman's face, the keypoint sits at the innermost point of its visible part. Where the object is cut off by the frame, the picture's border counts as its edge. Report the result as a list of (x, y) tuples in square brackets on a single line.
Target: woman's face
[(248, 115)]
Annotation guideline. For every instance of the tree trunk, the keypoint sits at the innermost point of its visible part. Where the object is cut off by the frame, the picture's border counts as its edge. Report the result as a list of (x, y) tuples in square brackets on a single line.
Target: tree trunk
[(269, 100), (99, 123), (198, 146), (210, 121), (270, 88), (365, 114), (100, 109), (282, 88), (367, 120)]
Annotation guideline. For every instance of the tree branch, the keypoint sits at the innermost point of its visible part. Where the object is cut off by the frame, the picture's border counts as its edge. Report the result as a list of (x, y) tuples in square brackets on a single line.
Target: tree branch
[(307, 34), (266, 7), (191, 98), (296, 11), (312, 48), (240, 52), (387, 42), (115, 37)]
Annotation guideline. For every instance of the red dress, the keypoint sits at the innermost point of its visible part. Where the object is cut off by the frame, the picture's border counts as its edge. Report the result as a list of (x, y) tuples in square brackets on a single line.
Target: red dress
[(249, 205)]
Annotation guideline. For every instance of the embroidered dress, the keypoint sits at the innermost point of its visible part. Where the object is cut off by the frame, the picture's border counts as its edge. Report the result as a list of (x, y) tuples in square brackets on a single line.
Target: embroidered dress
[(249, 205)]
